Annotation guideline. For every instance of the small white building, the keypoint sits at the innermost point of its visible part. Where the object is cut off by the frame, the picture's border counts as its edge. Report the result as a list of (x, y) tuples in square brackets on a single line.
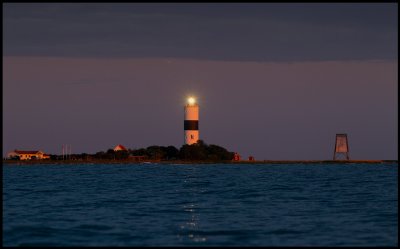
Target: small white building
[(28, 154)]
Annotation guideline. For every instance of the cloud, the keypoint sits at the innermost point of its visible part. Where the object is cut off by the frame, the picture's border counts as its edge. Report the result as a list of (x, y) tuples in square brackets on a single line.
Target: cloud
[(241, 32)]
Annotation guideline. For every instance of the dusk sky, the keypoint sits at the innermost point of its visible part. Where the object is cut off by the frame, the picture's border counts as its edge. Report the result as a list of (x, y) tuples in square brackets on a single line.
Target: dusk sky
[(276, 81)]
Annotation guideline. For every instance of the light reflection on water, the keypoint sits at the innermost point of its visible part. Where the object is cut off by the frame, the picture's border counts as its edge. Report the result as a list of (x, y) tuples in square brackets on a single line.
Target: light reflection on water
[(189, 229), (191, 226)]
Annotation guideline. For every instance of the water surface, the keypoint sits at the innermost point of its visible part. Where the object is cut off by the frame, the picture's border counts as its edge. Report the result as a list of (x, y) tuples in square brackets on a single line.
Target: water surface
[(200, 205)]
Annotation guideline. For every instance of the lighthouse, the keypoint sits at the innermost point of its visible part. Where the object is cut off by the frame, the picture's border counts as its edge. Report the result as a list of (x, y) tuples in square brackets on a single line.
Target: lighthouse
[(191, 123)]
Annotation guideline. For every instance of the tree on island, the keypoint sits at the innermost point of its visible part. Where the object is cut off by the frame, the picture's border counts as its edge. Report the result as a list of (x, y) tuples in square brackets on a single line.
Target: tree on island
[(172, 152), (198, 151), (138, 152), (202, 151), (156, 152)]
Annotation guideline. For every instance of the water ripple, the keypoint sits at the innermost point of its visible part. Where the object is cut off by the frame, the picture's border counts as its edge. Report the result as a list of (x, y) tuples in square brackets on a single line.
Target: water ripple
[(212, 205)]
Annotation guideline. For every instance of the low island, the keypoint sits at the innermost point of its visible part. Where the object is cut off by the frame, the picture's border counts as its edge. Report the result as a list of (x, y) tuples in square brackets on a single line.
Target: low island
[(197, 153)]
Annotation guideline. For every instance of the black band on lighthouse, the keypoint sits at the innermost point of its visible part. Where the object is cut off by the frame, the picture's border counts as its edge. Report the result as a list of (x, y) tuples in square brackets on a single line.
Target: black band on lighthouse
[(192, 125)]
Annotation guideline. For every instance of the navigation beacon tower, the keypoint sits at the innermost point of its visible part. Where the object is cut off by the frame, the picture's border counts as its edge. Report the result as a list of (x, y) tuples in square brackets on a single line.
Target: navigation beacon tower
[(191, 124)]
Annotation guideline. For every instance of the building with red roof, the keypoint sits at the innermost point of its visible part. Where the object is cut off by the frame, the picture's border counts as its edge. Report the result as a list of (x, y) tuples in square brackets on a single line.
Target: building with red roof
[(120, 147)]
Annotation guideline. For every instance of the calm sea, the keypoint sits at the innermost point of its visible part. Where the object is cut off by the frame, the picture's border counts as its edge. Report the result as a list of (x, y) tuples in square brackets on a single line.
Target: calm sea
[(200, 205)]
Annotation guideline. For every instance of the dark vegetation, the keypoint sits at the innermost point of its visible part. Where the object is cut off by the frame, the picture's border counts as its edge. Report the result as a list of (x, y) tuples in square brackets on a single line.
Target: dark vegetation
[(199, 151)]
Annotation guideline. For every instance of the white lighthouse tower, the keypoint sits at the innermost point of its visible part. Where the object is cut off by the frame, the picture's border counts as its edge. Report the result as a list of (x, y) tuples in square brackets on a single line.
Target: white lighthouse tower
[(191, 124)]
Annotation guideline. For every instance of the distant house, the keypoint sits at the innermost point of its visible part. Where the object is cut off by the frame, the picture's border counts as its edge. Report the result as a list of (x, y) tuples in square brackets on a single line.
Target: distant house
[(236, 157), (27, 154), (120, 147)]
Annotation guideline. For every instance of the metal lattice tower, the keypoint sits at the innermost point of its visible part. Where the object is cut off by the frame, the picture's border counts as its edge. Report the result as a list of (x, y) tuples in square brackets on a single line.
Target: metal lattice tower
[(341, 147)]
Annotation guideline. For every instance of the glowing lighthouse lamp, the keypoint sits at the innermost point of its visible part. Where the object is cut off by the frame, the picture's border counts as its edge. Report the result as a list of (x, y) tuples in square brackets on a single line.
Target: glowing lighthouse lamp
[(191, 123)]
